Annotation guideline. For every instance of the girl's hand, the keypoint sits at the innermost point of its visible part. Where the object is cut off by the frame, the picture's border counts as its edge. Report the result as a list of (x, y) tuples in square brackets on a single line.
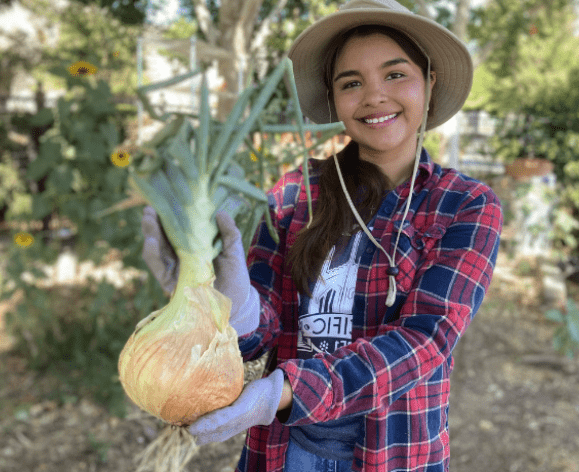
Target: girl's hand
[(257, 405), (158, 252), (232, 276)]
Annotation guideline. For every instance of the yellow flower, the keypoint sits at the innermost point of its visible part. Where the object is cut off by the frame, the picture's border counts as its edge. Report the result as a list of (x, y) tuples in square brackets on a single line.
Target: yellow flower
[(82, 68), (121, 158), (24, 239), (253, 156)]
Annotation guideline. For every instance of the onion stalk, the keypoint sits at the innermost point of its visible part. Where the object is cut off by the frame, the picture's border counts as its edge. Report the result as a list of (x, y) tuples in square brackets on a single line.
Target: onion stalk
[(183, 360)]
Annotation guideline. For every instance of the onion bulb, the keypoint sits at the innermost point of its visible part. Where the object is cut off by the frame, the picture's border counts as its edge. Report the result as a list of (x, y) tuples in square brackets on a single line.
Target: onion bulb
[(183, 361)]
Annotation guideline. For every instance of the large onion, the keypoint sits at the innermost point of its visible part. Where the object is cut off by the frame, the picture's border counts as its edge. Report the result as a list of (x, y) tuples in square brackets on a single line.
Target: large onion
[(180, 364), (183, 361)]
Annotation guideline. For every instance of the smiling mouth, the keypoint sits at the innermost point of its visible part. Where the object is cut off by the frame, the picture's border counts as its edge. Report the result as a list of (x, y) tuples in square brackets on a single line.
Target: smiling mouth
[(382, 119)]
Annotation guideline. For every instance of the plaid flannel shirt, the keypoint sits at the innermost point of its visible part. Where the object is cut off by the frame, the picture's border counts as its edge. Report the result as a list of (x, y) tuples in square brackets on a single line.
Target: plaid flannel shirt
[(396, 371)]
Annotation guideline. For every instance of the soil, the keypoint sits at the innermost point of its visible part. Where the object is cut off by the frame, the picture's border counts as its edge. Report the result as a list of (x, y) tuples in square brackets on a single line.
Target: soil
[(514, 402)]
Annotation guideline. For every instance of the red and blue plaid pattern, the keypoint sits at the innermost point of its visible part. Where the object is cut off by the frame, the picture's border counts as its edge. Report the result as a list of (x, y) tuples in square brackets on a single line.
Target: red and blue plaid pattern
[(396, 371)]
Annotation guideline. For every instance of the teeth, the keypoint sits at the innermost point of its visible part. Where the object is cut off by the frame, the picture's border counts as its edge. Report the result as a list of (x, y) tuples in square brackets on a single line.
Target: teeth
[(380, 120)]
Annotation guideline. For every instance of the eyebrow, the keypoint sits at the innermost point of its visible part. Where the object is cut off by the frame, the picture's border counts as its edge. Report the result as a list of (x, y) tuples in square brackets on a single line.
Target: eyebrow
[(390, 63)]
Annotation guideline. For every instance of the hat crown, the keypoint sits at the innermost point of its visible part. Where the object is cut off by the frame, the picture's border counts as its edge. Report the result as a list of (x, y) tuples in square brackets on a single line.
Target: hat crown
[(365, 4)]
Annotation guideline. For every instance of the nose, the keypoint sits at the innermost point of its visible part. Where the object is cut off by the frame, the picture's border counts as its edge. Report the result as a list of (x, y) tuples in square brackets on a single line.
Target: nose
[(375, 93)]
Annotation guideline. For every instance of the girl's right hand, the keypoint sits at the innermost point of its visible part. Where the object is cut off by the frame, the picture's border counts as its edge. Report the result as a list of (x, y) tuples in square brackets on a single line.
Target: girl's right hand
[(158, 253), (232, 276)]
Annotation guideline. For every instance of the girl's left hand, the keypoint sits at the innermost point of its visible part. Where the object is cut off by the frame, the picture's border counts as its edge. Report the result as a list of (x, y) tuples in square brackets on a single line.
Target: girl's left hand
[(257, 405)]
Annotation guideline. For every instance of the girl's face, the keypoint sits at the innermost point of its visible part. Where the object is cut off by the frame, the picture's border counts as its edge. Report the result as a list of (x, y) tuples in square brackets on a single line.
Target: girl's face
[(379, 95)]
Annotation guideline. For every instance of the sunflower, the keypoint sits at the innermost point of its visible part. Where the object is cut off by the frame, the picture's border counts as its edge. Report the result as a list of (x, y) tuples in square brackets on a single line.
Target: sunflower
[(121, 158), (82, 68), (24, 239), (253, 156)]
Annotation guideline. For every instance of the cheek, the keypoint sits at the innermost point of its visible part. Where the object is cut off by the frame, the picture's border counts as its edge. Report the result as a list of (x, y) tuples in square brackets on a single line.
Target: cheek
[(344, 105)]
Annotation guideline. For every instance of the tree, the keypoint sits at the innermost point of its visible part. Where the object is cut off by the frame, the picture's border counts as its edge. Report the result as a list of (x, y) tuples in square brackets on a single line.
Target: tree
[(532, 88), (261, 31), (128, 12), (234, 27)]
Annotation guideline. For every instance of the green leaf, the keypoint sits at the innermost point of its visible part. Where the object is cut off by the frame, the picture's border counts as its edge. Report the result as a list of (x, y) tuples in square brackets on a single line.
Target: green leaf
[(202, 132), (110, 133), (555, 315), (180, 150), (42, 118), (92, 148), (244, 187), (75, 210), (48, 156), (229, 127), (41, 206), (114, 178), (264, 95), (162, 207), (60, 179), (170, 129), (573, 325), (179, 184), (150, 164), (558, 340)]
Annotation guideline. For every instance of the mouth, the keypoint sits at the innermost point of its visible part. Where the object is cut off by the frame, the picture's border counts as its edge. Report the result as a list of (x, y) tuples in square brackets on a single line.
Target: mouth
[(376, 120)]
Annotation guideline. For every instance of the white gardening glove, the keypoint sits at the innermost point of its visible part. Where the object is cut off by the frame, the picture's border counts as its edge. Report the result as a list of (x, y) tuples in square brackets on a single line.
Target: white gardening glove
[(158, 252), (232, 276)]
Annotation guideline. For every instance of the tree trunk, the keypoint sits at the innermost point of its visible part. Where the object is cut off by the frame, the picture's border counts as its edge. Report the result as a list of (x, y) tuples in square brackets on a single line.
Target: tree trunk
[(236, 24), (461, 19)]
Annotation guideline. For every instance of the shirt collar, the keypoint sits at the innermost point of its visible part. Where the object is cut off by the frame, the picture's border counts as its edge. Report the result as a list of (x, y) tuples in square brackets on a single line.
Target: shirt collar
[(425, 167)]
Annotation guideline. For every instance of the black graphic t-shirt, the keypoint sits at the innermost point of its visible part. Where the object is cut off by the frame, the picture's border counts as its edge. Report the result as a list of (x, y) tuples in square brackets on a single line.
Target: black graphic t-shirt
[(325, 324)]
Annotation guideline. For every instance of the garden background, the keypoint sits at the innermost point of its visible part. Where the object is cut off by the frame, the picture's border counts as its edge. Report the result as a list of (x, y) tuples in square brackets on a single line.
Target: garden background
[(73, 286)]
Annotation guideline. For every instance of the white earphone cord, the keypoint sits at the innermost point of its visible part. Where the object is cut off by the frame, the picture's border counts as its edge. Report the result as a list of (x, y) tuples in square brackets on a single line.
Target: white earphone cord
[(391, 298)]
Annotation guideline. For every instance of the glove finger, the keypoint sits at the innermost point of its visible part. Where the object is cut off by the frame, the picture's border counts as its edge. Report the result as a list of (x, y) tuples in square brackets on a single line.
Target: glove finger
[(212, 422), (152, 257), (230, 234), (150, 224)]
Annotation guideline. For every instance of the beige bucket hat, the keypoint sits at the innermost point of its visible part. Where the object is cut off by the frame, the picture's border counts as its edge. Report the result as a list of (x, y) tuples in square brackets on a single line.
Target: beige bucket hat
[(448, 55)]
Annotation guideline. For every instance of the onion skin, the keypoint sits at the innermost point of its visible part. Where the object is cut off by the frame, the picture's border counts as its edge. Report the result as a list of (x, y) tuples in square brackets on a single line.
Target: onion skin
[(180, 365)]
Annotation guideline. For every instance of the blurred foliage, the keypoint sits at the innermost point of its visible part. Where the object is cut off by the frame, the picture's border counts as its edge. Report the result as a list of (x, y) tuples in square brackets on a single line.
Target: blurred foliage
[(127, 12), (532, 89), (77, 335), (432, 143), (74, 160), (566, 336), (89, 33)]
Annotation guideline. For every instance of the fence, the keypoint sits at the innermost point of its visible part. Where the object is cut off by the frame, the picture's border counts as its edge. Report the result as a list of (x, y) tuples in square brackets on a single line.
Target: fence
[(29, 103)]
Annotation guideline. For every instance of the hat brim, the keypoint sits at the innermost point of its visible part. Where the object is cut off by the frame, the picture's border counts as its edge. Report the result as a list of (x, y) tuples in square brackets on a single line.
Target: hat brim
[(448, 56)]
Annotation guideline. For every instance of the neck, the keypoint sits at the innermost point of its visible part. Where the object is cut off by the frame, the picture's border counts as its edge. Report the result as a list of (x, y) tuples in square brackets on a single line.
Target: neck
[(397, 167)]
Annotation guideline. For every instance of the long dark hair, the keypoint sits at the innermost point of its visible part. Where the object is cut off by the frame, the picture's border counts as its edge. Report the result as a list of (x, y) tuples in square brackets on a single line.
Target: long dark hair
[(365, 182)]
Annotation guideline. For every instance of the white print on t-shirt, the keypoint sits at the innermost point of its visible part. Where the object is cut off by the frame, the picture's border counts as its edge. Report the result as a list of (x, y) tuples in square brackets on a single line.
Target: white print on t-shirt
[(325, 322)]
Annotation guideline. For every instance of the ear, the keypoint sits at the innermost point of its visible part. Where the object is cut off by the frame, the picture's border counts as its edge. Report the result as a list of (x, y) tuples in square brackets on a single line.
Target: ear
[(432, 79)]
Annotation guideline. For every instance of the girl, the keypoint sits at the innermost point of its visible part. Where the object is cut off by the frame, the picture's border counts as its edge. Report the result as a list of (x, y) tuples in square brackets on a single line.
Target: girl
[(361, 310)]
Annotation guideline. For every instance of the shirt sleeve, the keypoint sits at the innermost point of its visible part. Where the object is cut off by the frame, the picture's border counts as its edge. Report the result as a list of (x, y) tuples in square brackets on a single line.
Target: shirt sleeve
[(447, 291)]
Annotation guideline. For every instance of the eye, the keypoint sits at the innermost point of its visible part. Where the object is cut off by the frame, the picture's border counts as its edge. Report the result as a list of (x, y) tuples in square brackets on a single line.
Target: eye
[(350, 84), (395, 75)]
